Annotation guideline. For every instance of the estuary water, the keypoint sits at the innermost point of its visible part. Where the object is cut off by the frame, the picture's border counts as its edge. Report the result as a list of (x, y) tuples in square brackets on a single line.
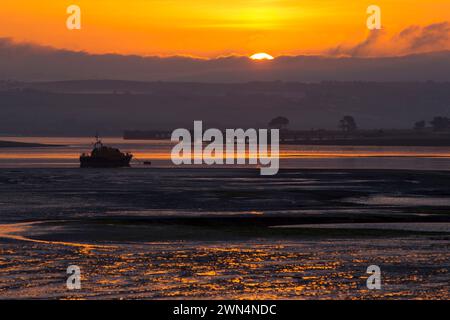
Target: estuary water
[(292, 156), (162, 232)]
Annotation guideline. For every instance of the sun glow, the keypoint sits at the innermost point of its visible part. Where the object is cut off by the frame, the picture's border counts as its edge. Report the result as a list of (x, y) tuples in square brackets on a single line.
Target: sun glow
[(261, 56), (211, 29)]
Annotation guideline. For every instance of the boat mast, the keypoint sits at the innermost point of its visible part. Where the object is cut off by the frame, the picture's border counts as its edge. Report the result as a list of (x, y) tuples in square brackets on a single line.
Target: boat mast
[(98, 142)]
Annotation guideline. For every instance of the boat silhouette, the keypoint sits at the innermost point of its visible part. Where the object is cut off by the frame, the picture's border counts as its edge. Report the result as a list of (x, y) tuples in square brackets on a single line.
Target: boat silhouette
[(102, 156)]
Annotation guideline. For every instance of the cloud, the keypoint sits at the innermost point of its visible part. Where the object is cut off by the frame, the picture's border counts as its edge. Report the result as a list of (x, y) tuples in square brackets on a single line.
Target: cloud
[(12, 47), (364, 48), (411, 40), (432, 37), (29, 62)]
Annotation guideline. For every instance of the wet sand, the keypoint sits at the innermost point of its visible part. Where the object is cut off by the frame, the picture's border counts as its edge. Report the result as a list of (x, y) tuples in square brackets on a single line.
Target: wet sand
[(224, 233), (412, 268)]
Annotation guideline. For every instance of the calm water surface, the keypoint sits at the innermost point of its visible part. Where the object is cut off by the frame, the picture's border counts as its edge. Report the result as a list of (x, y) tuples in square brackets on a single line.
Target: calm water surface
[(158, 151)]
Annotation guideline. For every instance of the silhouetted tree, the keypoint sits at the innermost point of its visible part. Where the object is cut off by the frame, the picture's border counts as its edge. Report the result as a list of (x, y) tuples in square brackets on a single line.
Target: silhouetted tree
[(419, 125), (440, 124), (279, 122), (348, 124)]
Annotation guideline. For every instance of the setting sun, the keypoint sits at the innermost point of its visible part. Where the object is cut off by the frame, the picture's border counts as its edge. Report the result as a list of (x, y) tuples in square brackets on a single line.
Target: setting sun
[(261, 56)]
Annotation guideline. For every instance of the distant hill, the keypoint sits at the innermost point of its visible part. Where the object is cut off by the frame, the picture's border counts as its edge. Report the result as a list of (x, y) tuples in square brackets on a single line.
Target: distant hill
[(84, 107)]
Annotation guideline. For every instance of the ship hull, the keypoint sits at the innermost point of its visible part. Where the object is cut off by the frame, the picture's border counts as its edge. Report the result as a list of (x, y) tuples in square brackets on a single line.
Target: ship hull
[(97, 162)]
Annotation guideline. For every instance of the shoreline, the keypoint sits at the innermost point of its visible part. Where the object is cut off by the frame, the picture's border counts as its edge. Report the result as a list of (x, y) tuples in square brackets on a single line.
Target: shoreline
[(15, 144), (100, 232), (372, 142)]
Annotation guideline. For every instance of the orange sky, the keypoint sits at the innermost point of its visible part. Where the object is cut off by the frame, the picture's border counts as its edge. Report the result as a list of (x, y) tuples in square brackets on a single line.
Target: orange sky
[(210, 28)]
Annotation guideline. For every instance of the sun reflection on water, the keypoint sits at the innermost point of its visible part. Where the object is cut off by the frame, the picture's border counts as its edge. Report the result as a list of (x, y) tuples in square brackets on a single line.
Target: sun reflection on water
[(233, 271)]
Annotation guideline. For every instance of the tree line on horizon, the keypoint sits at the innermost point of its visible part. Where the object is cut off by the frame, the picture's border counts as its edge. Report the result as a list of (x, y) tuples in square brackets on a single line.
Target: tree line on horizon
[(348, 124)]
